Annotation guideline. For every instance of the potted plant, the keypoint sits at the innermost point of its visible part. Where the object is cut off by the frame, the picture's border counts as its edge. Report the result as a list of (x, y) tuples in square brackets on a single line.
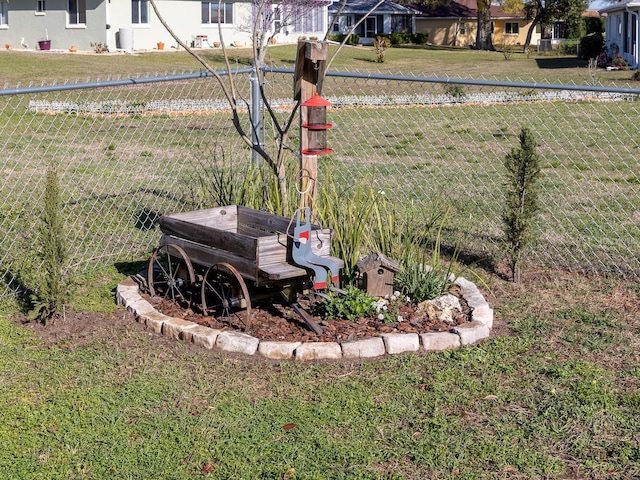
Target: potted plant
[(160, 45), (45, 44)]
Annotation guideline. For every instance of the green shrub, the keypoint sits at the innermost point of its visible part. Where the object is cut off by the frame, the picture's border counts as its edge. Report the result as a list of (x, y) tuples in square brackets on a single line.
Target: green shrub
[(352, 304), (48, 301), (398, 38), (420, 38), (454, 90), (522, 186), (420, 282), (591, 45), (354, 39), (569, 47)]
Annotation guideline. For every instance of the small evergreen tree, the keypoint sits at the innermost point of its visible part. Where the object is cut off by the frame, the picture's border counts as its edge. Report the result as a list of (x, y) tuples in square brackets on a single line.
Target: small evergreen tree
[(521, 189), (50, 297)]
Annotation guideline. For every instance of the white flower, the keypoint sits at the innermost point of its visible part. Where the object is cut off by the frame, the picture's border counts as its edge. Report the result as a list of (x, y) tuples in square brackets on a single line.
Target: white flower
[(400, 318), (396, 294), (378, 305), (381, 317), (407, 298)]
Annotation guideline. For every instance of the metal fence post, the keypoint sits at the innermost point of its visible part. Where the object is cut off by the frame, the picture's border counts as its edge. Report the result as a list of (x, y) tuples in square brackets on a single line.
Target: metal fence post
[(256, 125)]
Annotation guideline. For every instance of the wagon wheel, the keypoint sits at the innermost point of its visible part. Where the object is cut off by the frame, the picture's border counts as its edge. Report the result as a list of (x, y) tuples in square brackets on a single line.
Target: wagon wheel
[(225, 292), (170, 274)]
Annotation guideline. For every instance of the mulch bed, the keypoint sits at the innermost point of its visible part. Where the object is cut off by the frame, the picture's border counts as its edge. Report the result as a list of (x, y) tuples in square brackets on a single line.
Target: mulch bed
[(275, 320)]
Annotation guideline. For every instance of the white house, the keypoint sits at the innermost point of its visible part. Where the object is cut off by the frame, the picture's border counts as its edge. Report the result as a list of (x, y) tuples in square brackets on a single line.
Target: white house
[(622, 32), (388, 17), (133, 25)]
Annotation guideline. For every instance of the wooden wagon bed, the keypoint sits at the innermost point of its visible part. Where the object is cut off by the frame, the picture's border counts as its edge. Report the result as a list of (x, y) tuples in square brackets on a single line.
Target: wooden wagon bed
[(258, 244)]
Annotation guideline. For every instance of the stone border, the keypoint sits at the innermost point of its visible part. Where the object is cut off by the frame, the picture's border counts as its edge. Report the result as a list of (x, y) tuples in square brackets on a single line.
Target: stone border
[(127, 294)]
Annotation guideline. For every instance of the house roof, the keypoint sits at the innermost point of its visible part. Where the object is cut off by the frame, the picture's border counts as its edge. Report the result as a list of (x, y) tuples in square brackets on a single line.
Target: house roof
[(620, 5), (362, 7), (460, 9)]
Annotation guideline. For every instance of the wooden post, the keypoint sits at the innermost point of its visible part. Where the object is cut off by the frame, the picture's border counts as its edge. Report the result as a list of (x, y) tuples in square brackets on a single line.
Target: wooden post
[(310, 68)]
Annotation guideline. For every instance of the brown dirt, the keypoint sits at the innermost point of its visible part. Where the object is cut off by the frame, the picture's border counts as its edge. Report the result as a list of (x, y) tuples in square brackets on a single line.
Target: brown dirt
[(541, 291), (275, 320)]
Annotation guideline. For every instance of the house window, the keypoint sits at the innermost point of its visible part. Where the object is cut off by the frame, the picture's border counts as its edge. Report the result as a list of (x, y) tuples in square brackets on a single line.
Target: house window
[(40, 6), (214, 12), (560, 30), (277, 19), (139, 12), (4, 14), (310, 20), (511, 28), (77, 11), (463, 28), (401, 24)]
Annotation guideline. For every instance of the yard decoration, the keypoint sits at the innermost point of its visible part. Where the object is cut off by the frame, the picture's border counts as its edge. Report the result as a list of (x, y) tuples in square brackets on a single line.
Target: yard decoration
[(229, 252), (377, 272)]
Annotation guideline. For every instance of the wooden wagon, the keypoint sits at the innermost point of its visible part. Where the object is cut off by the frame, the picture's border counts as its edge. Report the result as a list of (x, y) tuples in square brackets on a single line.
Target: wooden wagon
[(232, 253)]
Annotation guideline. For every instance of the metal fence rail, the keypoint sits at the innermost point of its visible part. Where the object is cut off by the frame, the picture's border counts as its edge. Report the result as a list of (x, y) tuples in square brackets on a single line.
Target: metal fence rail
[(129, 150)]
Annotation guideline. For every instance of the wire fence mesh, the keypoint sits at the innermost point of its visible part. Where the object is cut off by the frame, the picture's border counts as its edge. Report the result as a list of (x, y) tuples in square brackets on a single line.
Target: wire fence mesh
[(127, 152)]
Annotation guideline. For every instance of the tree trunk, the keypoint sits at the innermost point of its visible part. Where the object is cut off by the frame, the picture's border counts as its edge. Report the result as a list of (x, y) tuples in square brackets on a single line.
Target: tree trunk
[(532, 28), (483, 36)]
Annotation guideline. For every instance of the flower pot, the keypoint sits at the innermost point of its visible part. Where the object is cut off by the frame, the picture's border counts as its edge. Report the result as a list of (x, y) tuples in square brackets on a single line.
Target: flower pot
[(160, 45), (44, 44)]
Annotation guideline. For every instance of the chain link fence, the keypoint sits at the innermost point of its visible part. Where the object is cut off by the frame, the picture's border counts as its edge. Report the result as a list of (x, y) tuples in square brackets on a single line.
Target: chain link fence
[(127, 151)]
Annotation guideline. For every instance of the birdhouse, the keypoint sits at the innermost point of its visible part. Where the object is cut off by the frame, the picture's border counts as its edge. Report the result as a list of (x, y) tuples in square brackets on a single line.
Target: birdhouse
[(377, 272), (316, 125)]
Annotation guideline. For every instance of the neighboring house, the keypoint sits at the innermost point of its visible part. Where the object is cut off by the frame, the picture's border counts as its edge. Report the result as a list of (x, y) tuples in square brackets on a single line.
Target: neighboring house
[(133, 25), (622, 30), (388, 17), (455, 24)]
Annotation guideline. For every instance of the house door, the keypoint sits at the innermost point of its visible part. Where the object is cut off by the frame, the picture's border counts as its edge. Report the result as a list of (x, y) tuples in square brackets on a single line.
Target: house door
[(370, 27)]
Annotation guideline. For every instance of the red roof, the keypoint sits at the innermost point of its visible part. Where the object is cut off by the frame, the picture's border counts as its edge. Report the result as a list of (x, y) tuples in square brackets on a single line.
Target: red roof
[(460, 9)]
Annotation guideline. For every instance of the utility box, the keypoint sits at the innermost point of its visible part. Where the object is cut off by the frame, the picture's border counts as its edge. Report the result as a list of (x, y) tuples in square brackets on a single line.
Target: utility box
[(377, 272)]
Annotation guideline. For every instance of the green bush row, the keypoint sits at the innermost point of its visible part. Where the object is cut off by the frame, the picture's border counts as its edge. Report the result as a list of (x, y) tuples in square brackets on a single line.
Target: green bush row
[(394, 38)]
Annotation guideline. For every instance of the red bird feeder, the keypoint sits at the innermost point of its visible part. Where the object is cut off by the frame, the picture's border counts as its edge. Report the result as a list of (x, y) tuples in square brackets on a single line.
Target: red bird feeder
[(316, 125)]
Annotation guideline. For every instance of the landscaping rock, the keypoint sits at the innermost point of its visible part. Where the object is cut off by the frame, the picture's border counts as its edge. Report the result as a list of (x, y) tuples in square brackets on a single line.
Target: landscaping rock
[(472, 332), (278, 350), (174, 328), (239, 342), (154, 320), (364, 348), (396, 343), (202, 336), (437, 341), (318, 350), (444, 308)]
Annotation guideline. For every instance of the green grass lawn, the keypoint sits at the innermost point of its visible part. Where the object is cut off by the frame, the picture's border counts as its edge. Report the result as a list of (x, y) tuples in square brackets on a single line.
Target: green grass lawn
[(553, 394), (37, 67)]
